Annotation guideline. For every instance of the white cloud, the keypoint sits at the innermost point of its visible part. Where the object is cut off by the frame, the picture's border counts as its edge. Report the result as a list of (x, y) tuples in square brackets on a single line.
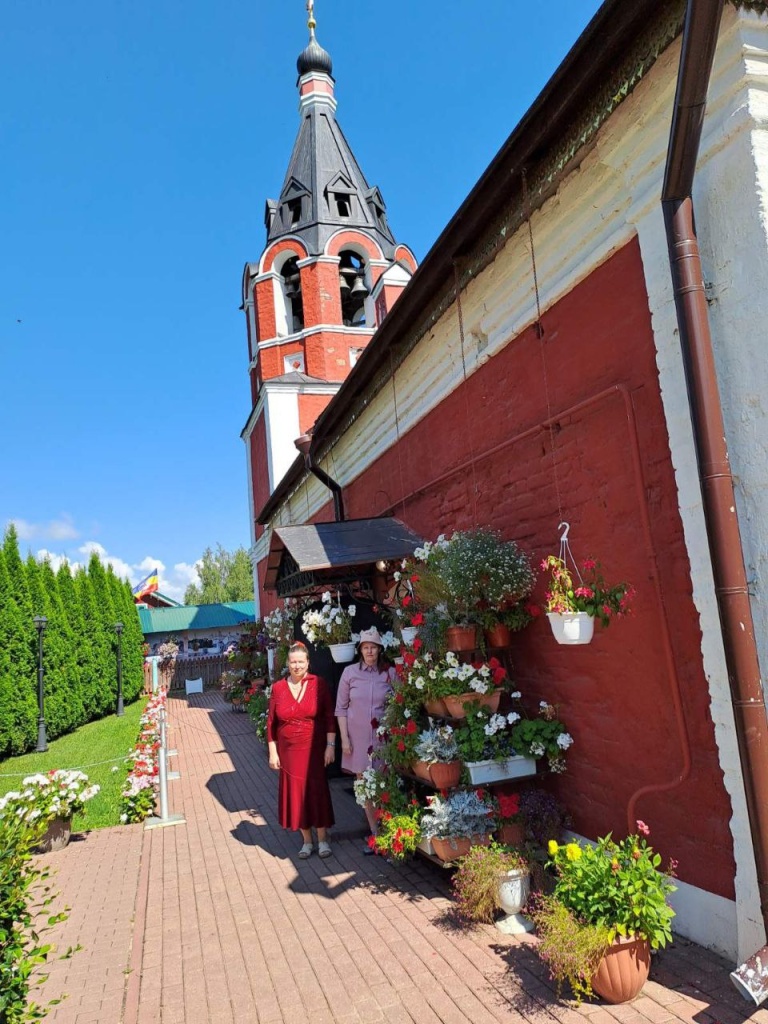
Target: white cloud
[(56, 529), (173, 582)]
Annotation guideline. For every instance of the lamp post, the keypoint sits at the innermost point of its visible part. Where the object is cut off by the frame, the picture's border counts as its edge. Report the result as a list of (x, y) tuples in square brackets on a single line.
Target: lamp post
[(40, 622), (119, 630)]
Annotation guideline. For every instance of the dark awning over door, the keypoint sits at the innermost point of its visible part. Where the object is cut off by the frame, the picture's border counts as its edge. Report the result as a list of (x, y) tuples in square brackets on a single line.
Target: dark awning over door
[(303, 558)]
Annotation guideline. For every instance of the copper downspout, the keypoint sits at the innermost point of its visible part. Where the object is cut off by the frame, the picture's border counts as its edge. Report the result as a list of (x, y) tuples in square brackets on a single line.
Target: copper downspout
[(699, 41), (304, 444)]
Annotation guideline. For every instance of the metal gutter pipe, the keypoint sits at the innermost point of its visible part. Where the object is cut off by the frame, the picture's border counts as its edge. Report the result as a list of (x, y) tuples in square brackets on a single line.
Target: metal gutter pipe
[(700, 34), (304, 444)]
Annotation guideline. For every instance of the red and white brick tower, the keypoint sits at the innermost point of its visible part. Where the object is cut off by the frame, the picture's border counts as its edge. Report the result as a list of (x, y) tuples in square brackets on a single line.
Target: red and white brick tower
[(329, 273)]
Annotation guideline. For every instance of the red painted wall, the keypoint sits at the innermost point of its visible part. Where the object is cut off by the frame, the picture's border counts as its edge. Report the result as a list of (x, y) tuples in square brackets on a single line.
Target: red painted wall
[(615, 695), (257, 451), (310, 407)]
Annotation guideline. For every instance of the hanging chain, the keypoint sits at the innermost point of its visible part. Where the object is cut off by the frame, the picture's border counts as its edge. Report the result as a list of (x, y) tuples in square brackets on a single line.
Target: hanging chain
[(466, 392), (539, 328)]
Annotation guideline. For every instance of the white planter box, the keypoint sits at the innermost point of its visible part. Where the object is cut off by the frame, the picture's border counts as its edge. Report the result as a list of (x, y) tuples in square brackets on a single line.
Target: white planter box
[(483, 772), (425, 845)]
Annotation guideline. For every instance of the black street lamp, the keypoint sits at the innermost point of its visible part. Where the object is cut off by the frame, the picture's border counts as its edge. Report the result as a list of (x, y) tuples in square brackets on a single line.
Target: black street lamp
[(40, 622), (119, 630)]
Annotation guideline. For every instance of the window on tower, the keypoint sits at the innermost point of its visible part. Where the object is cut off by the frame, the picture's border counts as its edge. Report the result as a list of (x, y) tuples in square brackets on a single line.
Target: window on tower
[(354, 291), (343, 204), (292, 214)]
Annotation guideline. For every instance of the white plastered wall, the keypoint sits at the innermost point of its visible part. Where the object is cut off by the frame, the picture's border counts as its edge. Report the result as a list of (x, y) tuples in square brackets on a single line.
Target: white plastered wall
[(613, 195)]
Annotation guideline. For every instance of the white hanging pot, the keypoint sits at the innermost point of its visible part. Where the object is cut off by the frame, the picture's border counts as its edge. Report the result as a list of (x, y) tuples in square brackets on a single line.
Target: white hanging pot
[(409, 634), (342, 653), (572, 627)]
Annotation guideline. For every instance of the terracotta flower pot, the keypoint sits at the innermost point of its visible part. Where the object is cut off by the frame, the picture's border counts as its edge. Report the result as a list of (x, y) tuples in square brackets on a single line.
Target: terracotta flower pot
[(454, 705), (444, 775), (458, 846), (461, 638), (436, 707), (623, 970), (499, 636), (421, 770), (511, 834)]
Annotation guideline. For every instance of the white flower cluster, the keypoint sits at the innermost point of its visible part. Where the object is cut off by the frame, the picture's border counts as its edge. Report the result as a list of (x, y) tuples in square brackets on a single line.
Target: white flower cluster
[(60, 794), (330, 624), (278, 624), (371, 784), (498, 723), (422, 554)]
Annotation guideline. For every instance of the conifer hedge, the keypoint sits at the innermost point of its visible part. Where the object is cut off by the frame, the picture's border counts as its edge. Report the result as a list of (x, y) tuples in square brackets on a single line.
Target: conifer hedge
[(79, 645)]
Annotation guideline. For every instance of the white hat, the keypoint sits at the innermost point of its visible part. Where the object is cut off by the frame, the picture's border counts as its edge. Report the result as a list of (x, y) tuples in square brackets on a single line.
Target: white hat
[(370, 636)]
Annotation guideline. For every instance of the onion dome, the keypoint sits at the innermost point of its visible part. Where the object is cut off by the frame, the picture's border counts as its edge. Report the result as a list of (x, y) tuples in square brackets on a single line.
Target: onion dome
[(314, 58)]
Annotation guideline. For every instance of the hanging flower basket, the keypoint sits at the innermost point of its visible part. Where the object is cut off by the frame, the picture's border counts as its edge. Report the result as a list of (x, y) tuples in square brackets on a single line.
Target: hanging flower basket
[(342, 653), (455, 705), (461, 638), (572, 627)]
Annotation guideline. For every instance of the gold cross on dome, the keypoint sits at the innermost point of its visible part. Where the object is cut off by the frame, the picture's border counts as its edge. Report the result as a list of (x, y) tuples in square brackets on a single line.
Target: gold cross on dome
[(311, 23)]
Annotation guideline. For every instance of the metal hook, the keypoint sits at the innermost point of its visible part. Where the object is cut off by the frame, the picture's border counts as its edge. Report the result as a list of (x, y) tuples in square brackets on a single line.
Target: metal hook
[(565, 527)]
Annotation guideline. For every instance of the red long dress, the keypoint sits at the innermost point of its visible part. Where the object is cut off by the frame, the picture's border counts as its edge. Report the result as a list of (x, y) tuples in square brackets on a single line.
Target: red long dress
[(300, 729)]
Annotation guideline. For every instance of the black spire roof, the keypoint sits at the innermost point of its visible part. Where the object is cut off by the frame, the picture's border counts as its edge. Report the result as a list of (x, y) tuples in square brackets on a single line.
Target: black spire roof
[(324, 188)]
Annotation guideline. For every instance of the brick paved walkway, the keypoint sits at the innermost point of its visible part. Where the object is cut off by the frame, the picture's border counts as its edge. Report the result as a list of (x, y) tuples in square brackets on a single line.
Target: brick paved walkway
[(217, 922)]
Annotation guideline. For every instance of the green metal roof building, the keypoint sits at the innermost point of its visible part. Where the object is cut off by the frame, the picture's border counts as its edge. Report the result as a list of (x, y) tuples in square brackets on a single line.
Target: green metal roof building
[(190, 624)]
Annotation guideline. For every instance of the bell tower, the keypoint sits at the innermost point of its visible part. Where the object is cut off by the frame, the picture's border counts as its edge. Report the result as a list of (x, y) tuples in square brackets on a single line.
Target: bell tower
[(329, 273)]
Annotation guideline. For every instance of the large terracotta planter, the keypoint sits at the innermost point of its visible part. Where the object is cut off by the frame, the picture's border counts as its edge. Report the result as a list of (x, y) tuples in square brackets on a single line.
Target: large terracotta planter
[(461, 638), (454, 705), (458, 846), (499, 636), (56, 836), (623, 970)]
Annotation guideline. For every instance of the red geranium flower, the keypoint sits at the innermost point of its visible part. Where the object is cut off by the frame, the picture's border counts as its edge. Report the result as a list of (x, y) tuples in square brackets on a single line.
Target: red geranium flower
[(411, 727), (417, 619)]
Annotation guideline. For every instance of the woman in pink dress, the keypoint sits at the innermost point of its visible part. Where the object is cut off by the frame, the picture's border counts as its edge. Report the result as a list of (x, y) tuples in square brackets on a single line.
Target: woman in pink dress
[(362, 695), (301, 736)]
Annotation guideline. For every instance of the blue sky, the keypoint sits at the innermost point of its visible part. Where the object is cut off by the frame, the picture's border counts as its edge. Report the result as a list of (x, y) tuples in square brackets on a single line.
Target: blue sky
[(139, 143)]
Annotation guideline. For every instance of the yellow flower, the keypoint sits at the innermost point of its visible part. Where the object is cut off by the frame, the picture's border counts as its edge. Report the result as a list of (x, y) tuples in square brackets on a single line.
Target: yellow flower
[(573, 851), (552, 847)]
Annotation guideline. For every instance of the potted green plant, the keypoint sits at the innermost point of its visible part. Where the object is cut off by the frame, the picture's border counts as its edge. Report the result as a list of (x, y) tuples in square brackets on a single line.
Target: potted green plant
[(437, 757), (449, 686), (256, 700), (610, 903), (542, 736), (456, 822), (572, 606), (485, 741), (54, 797), (398, 834), (331, 626)]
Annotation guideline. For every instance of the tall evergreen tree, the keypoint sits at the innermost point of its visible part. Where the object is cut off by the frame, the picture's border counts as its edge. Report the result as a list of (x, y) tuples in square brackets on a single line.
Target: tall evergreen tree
[(133, 638), (97, 654), (106, 617), (18, 704)]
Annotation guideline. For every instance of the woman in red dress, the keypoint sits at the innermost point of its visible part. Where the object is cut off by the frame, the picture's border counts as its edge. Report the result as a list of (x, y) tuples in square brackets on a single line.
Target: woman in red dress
[(301, 734)]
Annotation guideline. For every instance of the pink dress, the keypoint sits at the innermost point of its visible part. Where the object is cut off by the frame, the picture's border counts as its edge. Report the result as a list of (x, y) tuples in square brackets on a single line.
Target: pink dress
[(360, 698)]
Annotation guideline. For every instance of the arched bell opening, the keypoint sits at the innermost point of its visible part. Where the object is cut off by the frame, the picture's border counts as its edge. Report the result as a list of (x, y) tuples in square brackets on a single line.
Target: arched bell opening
[(353, 288), (291, 288)]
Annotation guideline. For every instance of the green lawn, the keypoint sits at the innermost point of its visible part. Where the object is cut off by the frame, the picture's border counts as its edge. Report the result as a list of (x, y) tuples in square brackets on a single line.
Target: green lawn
[(110, 739)]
